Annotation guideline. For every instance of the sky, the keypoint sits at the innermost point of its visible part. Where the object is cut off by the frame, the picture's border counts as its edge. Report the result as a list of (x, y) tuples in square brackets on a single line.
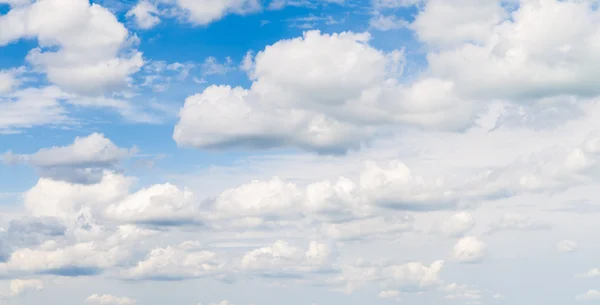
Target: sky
[(299, 152)]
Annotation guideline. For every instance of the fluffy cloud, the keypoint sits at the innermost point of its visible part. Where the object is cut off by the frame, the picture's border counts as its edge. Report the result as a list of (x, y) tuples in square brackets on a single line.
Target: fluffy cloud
[(20, 286), (284, 260), (408, 277), (541, 49), (202, 13), (159, 204), (83, 161), (107, 299), (7, 81), (319, 92), (180, 262), (457, 225), (64, 199), (444, 24), (469, 250), (78, 63), (590, 295), (145, 14), (594, 272)]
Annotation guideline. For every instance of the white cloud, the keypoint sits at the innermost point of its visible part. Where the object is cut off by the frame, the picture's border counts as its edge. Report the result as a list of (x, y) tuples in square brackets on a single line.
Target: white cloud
[(566, 246), (78, 259), (469, 250), (588, 296), (81, 64), (386, 23), (594, 272), (145, 14), (386, 294), (542, 49), (7, 81), (32, 107), (457, 225), (63, 199), (107, 299), (159, 204), (408, 277), (284, 260), (20, 287), (320, 92), (212, 66), (83, 161), (203, 13), (443, 23), (179, 262)]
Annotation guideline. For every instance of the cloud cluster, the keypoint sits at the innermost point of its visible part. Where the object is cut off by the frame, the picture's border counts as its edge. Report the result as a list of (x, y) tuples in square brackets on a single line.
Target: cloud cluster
[(80, 44)]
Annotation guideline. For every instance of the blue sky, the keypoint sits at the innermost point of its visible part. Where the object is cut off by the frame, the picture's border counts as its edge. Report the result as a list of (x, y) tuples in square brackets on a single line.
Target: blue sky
[(239, 152)]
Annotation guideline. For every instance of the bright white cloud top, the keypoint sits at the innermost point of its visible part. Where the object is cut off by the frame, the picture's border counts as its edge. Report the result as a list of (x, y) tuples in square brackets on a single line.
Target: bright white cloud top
[(299, 152)]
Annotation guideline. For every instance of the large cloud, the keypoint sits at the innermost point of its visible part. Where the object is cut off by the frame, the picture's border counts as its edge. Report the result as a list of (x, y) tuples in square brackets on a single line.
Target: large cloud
[(319, 92), (86, 43), (544, 48), (83, 161)]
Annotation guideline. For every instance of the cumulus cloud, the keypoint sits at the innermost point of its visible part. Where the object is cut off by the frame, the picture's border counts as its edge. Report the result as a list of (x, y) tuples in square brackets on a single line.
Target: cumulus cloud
[(408, 277), (594, 272), (199, 13), (76, 62), (284, 260), (180, 262), (7, 81), (107, 299), (145, 14), (319, 92), (469, 250), (590, 295), (496, 54), (64, 200), (20, 287), (159, 204), (457, 225), (83, 161)]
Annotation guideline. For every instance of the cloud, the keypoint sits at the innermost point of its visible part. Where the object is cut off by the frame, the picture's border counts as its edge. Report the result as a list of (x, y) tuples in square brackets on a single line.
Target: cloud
[(387, 294), (180, 262), (64, 200), (282, 260), (319, 92), (107, 299), (457, 225), (19, 287), (199, 13), (594, 272), (83, 161), (7, 81), (145, 15), (159, 204), (490, 53), (408, 277), (75, 62), (445, 24), (32, 107), (469, 250), (566, 246), (588, 296)]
